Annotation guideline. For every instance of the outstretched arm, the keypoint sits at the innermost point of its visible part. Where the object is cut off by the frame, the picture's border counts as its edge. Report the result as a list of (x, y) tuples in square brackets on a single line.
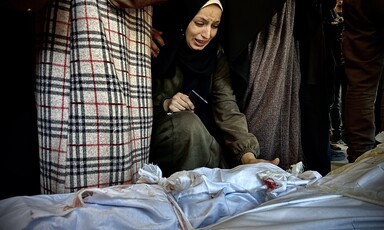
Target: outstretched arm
[(231, 121)]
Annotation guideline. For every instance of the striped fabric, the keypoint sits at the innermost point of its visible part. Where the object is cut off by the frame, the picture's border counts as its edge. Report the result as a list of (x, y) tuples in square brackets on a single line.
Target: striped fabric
[(93, 95)]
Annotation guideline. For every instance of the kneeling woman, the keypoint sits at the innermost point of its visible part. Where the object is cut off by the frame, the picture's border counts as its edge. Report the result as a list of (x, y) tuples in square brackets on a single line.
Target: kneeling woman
[(197, 122)]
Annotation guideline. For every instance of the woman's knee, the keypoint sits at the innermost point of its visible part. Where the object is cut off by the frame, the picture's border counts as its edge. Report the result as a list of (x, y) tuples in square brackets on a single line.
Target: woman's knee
[(187, 123)]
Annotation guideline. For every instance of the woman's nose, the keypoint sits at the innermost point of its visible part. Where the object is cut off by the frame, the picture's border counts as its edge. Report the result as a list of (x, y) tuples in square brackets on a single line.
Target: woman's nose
[(206, 32)]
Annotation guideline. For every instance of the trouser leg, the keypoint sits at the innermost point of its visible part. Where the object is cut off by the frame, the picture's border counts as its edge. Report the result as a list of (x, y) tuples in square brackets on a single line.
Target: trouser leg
[(363, 54), (335, 114), (314, 128)]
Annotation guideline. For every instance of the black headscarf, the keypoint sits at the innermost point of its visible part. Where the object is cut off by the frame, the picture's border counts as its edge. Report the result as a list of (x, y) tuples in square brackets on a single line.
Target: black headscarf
[(172, 18)]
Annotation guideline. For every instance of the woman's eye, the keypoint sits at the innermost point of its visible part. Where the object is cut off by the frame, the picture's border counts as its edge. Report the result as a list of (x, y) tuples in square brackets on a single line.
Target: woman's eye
[(198, 23)]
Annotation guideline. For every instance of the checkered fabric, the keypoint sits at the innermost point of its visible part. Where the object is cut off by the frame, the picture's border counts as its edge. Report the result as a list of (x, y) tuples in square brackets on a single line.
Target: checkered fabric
[(93, 95)]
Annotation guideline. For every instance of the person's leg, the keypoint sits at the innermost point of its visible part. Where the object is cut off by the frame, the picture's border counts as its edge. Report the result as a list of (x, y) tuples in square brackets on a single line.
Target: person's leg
[(343, 83), (334, 35), (378, 108), (335, 114), (181, 142), (314, 129), (381, 127), (363, 54)]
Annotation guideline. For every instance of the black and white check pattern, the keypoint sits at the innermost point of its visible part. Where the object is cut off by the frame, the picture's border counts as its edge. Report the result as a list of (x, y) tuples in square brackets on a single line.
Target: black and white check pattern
[(93, 95)]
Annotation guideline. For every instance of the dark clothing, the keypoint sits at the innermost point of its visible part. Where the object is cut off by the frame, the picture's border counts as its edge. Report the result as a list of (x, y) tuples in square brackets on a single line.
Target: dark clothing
[(314, 126), (180, 141), (336, 112), (317, 67), (241, 22), (334, 29), (363, 50), (19, 143), (196, 66)]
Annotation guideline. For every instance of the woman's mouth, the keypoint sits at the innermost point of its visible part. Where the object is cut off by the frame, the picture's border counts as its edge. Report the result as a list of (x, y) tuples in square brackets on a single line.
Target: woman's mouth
[(200, 43)]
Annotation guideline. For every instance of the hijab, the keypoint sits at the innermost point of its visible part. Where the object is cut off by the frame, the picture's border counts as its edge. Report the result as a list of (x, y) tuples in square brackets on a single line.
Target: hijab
[(197, 66)]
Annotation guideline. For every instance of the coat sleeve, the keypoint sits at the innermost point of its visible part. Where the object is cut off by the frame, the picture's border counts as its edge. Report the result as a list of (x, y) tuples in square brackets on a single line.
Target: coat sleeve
[(164, 88), (228, 117)]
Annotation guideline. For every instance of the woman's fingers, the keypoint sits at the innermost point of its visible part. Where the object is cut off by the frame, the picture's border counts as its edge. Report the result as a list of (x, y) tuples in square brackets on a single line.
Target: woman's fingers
[(180, 102)]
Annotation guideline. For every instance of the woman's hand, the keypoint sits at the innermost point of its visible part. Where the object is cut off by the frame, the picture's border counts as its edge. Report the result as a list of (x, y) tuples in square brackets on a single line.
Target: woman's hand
[(156, 41), (179, 102), (249, 158)]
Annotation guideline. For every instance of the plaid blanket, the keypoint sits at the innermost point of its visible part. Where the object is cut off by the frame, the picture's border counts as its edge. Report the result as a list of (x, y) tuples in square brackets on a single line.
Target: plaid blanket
[(93, 95)]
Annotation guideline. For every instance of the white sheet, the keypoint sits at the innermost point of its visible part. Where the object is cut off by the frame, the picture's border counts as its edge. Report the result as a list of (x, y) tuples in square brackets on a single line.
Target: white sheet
[(350, 197), (206, 198), (305, 210)]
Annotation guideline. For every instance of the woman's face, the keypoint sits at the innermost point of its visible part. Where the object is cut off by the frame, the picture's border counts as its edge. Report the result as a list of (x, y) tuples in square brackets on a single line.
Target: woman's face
[(203, 27)]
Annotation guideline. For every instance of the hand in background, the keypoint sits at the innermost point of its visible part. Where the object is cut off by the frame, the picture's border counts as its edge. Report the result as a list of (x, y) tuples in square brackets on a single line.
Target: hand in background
[(157, 41)]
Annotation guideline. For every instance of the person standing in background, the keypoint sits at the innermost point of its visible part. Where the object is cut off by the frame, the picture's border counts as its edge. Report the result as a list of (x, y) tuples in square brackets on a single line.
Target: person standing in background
[(263, 56), (317, 73), (334, 30), (281, 75), (363, 50), (93, 93)]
